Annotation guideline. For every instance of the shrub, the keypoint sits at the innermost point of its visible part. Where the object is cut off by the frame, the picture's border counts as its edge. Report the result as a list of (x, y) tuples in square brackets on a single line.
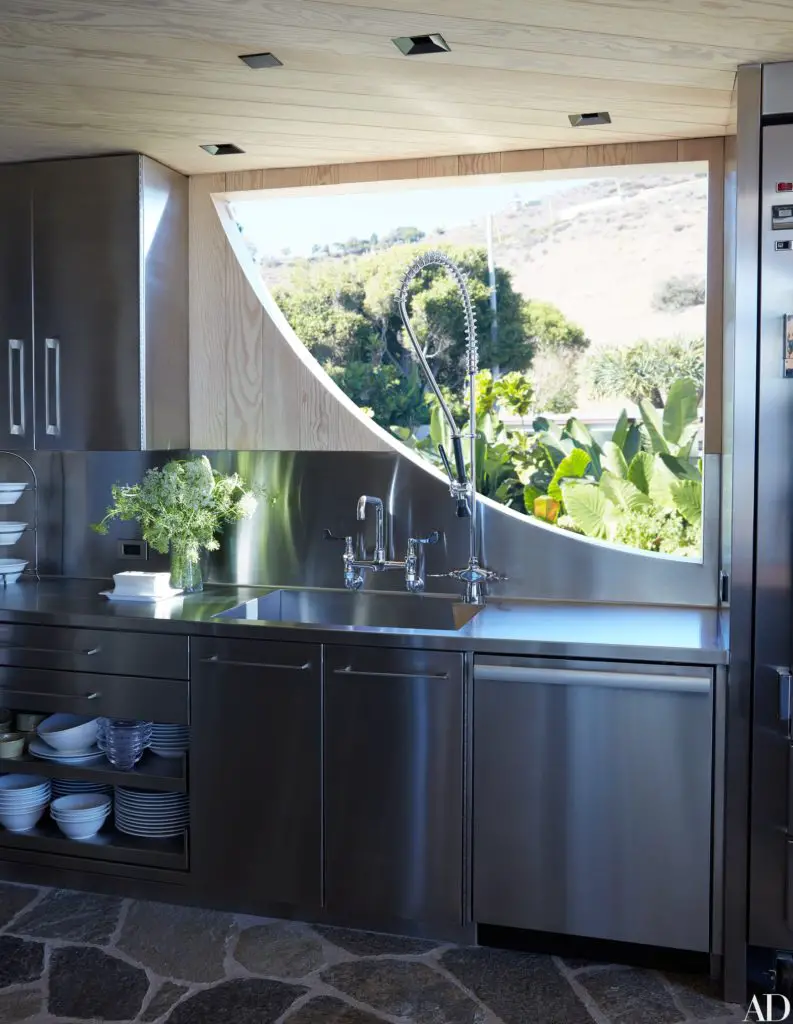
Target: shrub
[(678, 293)]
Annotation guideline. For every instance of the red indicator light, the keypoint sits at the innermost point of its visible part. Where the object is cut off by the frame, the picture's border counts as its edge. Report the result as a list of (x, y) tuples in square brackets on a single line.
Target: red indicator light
[(784, 186)]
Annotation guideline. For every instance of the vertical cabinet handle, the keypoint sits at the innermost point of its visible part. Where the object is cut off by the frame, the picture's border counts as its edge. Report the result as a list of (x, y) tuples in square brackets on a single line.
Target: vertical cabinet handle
[(52, 386), (16, 408)]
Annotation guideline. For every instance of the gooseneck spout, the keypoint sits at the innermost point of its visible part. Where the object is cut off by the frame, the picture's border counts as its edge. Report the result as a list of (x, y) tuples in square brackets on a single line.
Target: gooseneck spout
[(462, 483), (379, 539)]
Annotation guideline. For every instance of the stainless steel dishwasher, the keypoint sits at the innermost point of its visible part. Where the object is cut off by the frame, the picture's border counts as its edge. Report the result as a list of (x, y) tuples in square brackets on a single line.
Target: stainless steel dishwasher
[(592, 799)]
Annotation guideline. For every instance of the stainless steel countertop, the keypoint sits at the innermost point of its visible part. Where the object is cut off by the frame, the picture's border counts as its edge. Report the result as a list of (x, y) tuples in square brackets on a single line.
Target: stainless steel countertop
[(689, 636)]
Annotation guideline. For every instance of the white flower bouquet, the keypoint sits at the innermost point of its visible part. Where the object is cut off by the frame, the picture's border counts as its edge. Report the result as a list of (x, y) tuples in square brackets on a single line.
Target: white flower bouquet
[(181, 507)]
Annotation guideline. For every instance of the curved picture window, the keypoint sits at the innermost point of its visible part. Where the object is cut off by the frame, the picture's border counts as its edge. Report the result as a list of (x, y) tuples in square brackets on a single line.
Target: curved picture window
[(590, 303)]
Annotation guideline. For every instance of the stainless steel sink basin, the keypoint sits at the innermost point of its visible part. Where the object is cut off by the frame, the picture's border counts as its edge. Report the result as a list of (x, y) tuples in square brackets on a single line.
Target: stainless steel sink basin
[(356, 610)]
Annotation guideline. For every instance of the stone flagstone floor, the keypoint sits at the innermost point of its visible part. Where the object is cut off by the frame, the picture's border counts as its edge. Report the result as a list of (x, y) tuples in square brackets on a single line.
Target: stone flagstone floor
[(67, 956)]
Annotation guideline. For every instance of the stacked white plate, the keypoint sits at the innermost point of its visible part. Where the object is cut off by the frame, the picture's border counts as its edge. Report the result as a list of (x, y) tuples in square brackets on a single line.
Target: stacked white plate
[(169, 740), (41, 749), (66, 787), (11, 569), (140, 812)]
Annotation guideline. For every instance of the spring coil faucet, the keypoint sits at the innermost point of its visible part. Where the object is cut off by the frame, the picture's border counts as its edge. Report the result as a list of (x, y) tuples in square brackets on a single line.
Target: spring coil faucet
[(462, 484)]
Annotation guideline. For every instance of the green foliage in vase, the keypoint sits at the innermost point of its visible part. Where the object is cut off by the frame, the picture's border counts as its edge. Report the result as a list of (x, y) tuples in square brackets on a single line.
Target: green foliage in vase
[(186, 501)]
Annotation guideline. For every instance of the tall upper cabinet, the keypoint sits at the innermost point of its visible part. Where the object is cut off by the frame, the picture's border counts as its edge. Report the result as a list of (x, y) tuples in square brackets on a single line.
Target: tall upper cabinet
[(93, 305)]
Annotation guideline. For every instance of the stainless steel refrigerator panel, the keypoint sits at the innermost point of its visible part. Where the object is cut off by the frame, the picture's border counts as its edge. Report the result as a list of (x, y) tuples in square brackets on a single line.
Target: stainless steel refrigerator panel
[(768, 922)]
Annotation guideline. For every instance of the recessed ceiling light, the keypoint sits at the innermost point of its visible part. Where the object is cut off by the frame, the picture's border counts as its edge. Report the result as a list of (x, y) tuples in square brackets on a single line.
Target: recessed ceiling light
[(583, 120), (261, 60), (415, 46), (222, 149)]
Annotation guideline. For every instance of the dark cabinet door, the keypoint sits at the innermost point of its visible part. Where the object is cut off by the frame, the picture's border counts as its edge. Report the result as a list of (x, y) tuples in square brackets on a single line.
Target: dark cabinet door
[(393, 785), (87, 306), (16, 319), (256, 772)]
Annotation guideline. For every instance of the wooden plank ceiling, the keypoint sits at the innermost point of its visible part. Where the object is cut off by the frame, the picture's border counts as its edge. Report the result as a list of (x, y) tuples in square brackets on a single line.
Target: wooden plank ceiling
[(163, 76)]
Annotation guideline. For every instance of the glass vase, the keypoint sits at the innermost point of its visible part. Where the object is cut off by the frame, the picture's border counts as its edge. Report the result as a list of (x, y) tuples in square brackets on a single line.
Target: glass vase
[(185, 571)]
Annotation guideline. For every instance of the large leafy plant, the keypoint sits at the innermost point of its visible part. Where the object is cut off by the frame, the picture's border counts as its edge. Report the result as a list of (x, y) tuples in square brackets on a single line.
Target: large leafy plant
[(642, 487)]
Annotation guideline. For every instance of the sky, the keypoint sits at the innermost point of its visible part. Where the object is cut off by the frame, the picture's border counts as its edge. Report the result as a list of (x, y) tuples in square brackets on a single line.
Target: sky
[(299, 222)]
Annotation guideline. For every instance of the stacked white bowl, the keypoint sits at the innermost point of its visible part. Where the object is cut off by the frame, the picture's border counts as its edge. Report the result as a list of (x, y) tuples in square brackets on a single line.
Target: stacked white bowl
[(81, 815), (23, 799), (169, 740)]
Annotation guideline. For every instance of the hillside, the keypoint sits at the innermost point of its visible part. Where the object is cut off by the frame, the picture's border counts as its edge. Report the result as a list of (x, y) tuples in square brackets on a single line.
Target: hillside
[(598, 250)]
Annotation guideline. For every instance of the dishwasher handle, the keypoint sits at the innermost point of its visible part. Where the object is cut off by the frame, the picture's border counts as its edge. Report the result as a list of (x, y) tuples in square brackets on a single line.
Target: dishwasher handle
[(613, 680)]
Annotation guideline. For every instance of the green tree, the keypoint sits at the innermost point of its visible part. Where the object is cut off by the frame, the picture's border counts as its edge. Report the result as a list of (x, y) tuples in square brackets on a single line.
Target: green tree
[(550, 330), (559, 345), (647, 369), (392, 398)]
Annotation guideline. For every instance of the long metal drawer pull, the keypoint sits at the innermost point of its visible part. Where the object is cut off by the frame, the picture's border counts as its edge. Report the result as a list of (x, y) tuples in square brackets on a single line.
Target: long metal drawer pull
[(350, 671), (52, 423), (215, 660), (48, 650), (581, 677), (16, 425), (54, 696)]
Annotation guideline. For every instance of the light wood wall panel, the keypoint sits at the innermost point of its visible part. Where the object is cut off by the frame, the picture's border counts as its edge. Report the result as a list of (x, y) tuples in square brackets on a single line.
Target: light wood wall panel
[(251, 389), (209, 252)]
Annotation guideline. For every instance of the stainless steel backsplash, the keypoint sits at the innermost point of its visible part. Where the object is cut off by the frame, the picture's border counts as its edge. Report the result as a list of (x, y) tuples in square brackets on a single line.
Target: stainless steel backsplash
[(283, 544)]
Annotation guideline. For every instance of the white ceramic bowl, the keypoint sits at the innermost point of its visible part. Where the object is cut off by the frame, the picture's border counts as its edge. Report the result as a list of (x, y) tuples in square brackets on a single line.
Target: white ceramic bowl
[(9, 493), (24, 803), (22, 820), (81, 805), (20, 785), (70, 734), (10, 533), (80, 829), (11, 569)]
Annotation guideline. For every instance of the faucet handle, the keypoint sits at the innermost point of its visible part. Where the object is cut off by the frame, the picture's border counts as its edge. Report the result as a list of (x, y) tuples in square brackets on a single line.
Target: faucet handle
[(431, 538), (446, 464), (327, 535)]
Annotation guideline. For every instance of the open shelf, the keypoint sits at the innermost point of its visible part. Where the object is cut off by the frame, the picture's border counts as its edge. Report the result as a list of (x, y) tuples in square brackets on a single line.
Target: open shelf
[(109, 844), (165, 774)]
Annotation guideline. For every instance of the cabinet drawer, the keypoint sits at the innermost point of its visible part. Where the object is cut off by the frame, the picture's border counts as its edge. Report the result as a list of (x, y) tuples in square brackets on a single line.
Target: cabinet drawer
[(84, 693), (94, 650), (250, 654)]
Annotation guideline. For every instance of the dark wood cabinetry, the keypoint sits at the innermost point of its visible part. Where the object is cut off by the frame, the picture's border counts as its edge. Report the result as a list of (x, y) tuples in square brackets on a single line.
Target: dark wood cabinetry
[(256, 773)]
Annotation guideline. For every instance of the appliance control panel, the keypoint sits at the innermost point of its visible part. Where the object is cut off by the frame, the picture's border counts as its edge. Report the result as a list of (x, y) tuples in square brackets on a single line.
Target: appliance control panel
[(782, 216)]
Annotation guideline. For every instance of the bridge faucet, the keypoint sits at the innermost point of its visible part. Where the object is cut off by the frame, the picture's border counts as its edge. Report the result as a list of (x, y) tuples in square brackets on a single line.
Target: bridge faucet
[(379, 537)]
